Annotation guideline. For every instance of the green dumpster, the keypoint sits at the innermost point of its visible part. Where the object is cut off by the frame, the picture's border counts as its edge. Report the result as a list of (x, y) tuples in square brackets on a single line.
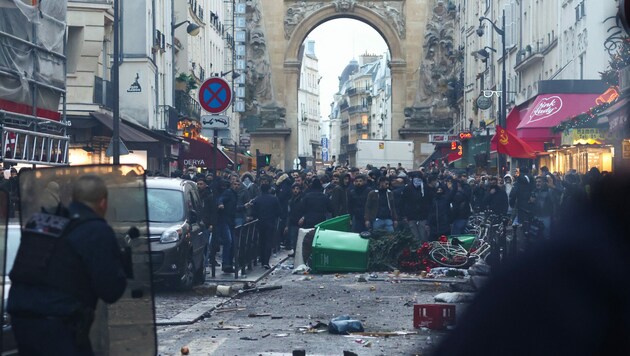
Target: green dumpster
[(336, 249)]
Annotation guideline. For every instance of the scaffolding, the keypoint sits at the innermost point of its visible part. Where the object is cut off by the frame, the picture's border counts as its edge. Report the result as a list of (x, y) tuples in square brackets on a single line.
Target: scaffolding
[(33, 82)]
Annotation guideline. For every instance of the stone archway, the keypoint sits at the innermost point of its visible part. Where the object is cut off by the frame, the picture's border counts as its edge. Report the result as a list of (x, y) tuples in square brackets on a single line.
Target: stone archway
[(277, 30)]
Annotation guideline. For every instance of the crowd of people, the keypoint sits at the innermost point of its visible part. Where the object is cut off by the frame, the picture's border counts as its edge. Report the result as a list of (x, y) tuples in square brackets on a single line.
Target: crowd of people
[(426, 202)]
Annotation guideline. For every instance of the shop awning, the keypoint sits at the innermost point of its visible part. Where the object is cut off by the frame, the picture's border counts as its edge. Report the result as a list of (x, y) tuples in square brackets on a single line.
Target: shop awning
[(126, 132), (200, 154), (514, 117), (549, 110)]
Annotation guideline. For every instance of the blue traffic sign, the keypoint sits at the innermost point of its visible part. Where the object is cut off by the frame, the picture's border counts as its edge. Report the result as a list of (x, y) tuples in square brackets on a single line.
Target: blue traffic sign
[(215, 95)]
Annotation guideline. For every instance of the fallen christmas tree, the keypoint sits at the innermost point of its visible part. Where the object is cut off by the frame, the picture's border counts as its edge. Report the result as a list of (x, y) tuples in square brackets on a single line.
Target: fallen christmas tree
[(398, 250)]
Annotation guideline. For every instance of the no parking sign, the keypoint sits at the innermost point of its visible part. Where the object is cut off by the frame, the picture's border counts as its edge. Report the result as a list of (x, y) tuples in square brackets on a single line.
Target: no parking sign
[(215, 95)]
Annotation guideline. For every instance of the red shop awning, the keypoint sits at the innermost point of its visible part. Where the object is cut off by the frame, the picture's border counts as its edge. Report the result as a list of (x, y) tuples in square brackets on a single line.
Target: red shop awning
[(200, 153), (547, 111)]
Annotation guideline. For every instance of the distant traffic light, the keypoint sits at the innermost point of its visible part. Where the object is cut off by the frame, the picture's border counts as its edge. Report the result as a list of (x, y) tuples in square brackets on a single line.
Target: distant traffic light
[(263, 160)]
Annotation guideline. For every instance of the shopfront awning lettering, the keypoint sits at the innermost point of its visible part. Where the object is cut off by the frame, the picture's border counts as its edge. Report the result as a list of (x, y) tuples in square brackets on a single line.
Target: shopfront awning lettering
[(548, 110), (200, 154)]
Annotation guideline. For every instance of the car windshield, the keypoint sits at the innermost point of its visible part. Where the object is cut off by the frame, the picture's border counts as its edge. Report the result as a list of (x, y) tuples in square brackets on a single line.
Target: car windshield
[(165, 205)]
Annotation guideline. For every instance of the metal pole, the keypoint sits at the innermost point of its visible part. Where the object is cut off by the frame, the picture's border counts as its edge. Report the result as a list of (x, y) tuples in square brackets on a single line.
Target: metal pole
[(503, 90), (115, 76), (236, 157), (214, 153)]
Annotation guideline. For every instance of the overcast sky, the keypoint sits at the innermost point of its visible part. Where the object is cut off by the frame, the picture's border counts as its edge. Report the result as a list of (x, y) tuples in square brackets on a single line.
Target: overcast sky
[(336, 43)]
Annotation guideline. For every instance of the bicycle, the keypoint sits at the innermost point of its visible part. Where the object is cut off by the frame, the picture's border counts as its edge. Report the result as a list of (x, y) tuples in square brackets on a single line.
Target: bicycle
[(453, 254)]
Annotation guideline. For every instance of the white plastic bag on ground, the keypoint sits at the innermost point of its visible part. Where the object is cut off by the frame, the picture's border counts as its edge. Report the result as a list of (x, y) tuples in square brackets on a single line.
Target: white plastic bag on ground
[(455, 297)]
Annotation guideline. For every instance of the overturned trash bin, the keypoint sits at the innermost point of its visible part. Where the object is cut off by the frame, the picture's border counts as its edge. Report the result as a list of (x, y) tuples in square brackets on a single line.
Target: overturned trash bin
[(336, 249), (466, 241)]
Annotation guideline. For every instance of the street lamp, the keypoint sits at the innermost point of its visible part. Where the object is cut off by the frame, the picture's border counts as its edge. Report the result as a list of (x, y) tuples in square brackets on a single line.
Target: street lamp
[(501, 31), (234, 74), (192, 28)]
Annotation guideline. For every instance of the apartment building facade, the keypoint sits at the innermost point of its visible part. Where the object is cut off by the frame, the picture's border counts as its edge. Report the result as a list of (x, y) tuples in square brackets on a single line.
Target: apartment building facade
[(309, 120), (554, 49)]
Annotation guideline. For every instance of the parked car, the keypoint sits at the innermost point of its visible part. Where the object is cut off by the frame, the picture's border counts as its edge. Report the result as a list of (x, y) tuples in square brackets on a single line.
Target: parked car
[(177, 234), (179, 239)]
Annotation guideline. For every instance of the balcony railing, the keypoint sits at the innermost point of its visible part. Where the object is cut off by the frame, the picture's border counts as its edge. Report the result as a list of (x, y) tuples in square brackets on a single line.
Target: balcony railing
[(362, 127), (358, 108), (103, 92), (186, 105)]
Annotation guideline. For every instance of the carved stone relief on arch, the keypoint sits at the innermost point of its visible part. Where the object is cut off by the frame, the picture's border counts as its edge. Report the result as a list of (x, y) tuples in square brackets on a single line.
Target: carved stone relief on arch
[(392, 12), (260, 98)]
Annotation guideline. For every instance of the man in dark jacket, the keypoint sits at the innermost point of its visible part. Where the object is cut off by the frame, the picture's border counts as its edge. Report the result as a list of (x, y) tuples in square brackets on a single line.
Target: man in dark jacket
[(265, 208), (380, 209), (520, 194), (439, 216), (247, 191), (357, 197), (460, 206), (543, 205), (415, 206), (495, 200), (56, 320), (339, 195), (315, 205), (293, 216), (207, 214), (226, 213), (283, 193)]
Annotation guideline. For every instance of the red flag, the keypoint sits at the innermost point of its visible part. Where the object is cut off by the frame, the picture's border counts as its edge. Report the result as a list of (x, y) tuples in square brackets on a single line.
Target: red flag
[(507, 143)]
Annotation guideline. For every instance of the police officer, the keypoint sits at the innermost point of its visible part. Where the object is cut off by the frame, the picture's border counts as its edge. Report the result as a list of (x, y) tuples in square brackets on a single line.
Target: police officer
[(57, 280)]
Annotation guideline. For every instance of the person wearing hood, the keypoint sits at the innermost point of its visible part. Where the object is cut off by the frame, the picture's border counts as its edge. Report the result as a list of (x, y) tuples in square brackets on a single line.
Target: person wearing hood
[(380, 209), (438, 219), (495, 200), (314, 205), (372, 178), (415, 206), (460, 206)]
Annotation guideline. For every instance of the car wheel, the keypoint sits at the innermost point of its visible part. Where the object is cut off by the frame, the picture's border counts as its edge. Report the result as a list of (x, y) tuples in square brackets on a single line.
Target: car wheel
[(188, 275)]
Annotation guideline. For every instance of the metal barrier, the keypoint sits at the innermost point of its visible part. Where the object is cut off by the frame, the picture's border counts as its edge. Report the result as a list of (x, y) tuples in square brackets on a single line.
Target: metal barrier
[(245, 247)]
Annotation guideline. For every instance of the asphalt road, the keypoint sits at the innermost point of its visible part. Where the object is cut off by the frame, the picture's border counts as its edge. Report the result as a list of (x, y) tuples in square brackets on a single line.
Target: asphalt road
[(273, 322)]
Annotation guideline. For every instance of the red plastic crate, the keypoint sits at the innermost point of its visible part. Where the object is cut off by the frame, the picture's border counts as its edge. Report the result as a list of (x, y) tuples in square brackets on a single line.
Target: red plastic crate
[(433, 316)]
